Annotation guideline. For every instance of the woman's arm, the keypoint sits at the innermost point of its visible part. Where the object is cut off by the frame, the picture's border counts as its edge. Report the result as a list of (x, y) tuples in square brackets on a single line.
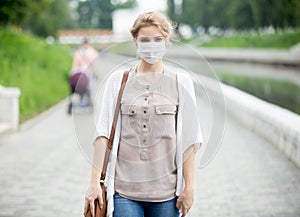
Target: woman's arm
[(99, 154), (186, 199), (188, 167), (94, 190)]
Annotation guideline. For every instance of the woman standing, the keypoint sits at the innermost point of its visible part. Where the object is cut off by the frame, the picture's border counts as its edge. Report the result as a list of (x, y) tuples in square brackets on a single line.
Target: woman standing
[(151, 171)]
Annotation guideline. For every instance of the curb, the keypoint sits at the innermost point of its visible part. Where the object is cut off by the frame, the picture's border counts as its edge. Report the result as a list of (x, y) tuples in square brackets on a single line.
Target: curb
[(35, 120)]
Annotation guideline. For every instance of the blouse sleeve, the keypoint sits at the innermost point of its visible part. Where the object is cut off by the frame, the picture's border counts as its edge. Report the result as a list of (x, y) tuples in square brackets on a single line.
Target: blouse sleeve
[(190, 125), (107, 107)]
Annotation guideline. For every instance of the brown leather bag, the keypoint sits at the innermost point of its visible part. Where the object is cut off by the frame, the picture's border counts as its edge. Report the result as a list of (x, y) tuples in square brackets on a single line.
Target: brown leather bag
[(98, 211)]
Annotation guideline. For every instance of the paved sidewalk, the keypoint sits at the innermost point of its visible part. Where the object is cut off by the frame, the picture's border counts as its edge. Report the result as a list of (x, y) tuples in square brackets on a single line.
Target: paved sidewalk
[(43, 172), (285, 57), (248, 177), (272, 63)]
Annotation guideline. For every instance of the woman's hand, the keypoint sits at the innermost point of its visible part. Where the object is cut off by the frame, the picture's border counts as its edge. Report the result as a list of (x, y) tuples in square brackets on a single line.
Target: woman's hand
[(94, 191), (185, 201)]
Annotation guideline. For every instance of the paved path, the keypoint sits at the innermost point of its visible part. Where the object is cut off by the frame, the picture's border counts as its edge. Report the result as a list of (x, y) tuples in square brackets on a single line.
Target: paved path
[(266, 56), (241, 63), (248, 177), (43, 172)]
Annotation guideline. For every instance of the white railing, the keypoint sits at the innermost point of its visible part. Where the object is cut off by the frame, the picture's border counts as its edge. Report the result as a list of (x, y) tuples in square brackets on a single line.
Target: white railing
[(9, 108)]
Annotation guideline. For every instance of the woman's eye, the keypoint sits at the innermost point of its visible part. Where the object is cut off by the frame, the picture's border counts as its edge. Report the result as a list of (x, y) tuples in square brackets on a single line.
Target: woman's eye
[(158, 39), (144, 40)]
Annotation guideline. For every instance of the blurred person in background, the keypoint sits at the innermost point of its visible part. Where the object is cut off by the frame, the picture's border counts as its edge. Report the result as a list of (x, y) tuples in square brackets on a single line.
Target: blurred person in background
[(84, 62), (83, 58)]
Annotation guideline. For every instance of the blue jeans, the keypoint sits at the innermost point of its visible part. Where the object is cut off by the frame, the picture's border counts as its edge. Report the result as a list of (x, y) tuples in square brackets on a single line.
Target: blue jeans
[(124, 207)]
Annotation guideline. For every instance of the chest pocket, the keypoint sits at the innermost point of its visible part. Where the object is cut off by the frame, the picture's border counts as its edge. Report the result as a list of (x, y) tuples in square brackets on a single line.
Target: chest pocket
[(129, 122), (165, 109), (128, 109), (165, 121)]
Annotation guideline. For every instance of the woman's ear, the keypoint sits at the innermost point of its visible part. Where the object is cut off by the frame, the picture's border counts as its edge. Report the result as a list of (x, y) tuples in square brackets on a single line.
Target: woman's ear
[(167, 40), (168, 43), (135, 42)]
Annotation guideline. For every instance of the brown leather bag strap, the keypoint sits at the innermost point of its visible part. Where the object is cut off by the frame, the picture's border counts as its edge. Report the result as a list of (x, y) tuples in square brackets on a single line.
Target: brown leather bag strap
[(113, 127)]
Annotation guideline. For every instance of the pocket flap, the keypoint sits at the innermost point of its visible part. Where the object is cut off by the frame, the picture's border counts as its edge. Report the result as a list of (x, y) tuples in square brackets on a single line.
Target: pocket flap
[(165, 109), (128, 109)]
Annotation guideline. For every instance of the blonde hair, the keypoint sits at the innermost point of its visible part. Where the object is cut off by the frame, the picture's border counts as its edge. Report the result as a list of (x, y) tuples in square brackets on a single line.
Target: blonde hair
[(151, 19)]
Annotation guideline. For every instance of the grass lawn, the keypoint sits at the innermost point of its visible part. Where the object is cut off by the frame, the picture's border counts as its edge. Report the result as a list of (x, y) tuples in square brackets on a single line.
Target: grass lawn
[(40, 70), (280, 40)]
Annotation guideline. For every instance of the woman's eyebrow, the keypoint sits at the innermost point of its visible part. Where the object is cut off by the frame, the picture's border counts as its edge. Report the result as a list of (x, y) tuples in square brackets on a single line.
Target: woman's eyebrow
[(145, 36)]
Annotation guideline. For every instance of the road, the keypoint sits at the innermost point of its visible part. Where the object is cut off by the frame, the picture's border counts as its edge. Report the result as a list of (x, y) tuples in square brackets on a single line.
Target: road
[(44, 168)]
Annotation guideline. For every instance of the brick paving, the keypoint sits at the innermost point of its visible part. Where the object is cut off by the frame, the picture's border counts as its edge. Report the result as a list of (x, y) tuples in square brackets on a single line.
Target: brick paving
[(42, 171), (247, 177)]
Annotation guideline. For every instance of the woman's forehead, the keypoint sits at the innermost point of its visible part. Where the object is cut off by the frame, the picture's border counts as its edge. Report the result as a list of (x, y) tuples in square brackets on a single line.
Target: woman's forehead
[(149, 31)]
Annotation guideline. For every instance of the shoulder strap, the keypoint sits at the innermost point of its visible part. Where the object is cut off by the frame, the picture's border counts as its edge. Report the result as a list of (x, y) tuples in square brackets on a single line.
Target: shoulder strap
[(113, 127)]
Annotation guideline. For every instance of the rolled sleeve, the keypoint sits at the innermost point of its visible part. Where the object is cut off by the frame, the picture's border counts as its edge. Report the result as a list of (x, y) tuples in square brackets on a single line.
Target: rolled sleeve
[(191, 129)]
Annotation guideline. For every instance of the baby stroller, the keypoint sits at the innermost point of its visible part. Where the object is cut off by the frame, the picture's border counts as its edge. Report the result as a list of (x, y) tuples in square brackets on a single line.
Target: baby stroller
[(79, 84)]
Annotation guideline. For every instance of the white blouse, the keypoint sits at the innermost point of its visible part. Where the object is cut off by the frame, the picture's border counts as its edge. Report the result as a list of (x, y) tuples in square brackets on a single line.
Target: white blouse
[(188, 127)]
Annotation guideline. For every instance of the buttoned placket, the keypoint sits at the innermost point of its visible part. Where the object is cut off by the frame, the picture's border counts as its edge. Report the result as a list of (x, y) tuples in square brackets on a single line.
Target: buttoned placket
[(145, 125)]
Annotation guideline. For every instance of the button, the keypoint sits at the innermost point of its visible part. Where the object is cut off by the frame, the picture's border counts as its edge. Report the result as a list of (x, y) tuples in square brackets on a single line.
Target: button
[(144, 126), (146, 99), (144, 154), (145, 112)]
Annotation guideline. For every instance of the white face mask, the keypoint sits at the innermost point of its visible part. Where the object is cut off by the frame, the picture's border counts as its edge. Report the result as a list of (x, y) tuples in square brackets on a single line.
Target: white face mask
[(151, 52)]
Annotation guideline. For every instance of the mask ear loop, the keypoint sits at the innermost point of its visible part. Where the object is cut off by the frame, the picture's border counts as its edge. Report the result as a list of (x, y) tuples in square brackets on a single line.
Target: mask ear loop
[(136, 46), (135, 42), (168, 41)]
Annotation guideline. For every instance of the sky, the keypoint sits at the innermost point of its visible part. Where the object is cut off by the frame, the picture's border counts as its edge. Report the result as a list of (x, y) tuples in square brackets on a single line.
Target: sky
[(123, 19), (152, 4)]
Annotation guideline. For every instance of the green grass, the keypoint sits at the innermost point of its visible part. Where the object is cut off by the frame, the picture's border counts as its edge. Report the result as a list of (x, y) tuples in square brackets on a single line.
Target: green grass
[(37, 68), (281, 93), (280, 40)]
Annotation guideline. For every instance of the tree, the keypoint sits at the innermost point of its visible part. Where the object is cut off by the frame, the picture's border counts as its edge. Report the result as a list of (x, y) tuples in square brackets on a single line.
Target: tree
[(189, 10), (98, 13), (40, 17), (17, 12), (238, 14), (56, 16), (171, 9)]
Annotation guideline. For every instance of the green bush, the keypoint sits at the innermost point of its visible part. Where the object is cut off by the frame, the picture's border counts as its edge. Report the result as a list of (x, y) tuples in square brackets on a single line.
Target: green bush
[(282, 93), (37, 68)]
